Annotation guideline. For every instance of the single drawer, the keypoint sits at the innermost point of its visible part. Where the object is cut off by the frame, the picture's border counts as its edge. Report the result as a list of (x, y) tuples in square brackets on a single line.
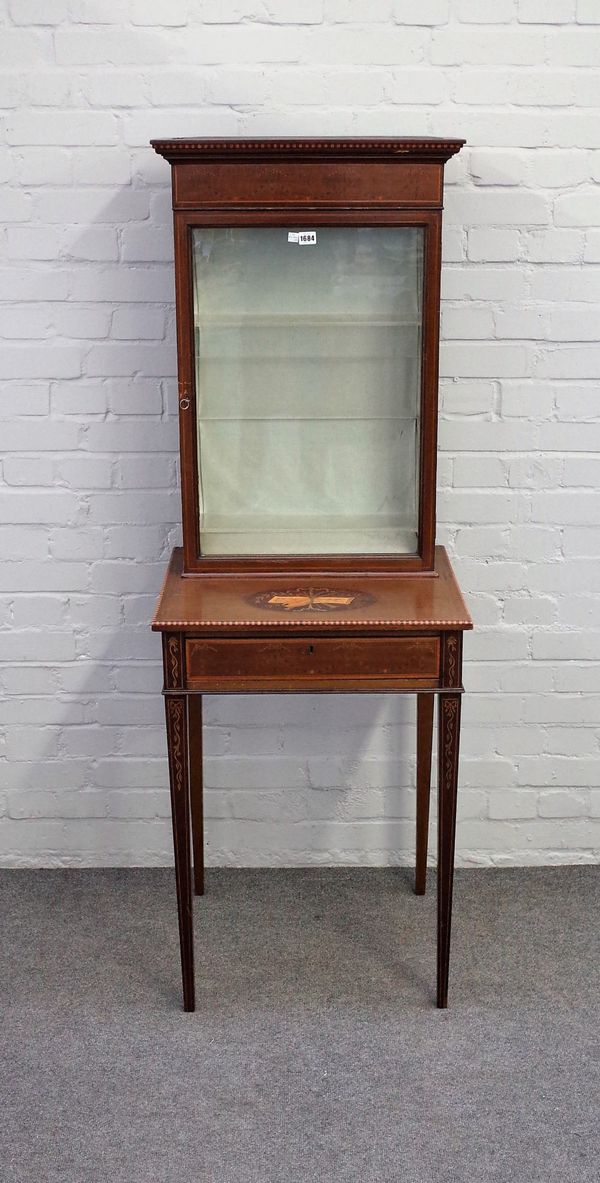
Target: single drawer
[(302, 663)]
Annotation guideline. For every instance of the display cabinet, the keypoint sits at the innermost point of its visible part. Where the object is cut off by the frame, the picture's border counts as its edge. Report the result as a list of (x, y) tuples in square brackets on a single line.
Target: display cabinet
[(308, 278), (308, 287)]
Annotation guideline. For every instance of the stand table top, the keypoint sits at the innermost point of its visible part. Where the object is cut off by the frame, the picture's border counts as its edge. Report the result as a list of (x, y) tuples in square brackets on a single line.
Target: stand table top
[(255, 604)]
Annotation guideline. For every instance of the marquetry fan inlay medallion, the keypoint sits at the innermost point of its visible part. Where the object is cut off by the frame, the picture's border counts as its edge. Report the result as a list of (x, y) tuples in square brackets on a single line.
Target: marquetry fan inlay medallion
[(320, 599)]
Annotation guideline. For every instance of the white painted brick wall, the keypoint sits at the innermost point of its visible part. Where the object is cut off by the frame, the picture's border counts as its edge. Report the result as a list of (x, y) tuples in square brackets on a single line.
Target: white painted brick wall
[(89, 504)]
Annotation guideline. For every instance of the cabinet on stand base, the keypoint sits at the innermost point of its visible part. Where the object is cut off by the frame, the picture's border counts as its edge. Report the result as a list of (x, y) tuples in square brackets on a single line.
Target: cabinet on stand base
[(253, 634)]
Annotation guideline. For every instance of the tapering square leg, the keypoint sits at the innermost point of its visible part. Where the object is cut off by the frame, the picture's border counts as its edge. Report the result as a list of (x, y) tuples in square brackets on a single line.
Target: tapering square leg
[(449, 734), (424, 742), (177, 744), (196, 788)]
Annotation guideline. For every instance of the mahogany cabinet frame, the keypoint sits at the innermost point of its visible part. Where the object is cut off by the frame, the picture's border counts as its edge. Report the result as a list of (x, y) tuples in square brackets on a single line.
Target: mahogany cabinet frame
[(375, 182), (231, 634)]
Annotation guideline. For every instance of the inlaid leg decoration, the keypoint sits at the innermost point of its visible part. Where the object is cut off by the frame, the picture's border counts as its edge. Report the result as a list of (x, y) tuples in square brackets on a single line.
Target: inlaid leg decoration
[(424, 740), (196, 781), (449, 732), (177, 742)]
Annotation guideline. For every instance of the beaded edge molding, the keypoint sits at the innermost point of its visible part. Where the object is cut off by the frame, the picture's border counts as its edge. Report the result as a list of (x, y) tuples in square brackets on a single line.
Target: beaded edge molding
[(442, 149), (186, 625)]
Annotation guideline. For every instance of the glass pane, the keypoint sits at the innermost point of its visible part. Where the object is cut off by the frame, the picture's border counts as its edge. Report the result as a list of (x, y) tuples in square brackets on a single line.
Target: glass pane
[(308, 360)]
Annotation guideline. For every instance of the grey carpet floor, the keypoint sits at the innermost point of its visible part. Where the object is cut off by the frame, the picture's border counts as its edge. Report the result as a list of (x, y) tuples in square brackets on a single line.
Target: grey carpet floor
[(316, 1052)]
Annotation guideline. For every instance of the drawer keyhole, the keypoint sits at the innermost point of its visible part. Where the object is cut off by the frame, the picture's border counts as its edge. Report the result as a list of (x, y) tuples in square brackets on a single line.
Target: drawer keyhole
[(311, 648)]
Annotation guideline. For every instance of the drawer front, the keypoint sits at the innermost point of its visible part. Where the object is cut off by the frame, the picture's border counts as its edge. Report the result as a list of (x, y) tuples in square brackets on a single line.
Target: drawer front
[(312, 662)]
